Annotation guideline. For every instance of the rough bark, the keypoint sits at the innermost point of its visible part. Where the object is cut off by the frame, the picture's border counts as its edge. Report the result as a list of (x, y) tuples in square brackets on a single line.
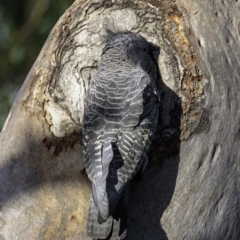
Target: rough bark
[(190, 190)]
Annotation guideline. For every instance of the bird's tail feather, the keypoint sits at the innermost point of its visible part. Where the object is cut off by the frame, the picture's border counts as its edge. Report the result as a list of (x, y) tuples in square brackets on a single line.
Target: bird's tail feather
[(95, 230), (114, 228)]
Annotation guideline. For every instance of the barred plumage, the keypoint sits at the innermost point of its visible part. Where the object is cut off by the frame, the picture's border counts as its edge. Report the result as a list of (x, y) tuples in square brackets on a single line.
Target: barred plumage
[(120, 118)]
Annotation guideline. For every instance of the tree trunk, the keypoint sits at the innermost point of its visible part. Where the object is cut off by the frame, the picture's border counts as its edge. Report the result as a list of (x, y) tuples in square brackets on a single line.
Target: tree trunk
[(190, 189)]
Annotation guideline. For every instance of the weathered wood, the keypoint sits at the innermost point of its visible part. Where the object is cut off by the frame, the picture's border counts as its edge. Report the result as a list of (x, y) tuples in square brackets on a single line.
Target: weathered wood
[(205, 204), (193, 193)]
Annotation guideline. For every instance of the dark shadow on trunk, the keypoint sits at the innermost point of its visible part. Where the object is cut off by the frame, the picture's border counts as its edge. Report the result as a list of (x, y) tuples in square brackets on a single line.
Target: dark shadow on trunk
[(151, 193)]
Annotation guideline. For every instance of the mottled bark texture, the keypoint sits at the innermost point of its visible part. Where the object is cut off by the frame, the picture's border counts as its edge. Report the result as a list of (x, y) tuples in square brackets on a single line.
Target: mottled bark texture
[(191, 188)]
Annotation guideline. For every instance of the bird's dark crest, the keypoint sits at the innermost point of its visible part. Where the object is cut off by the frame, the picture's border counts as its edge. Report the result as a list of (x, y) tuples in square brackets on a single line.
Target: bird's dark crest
[(110, 34)]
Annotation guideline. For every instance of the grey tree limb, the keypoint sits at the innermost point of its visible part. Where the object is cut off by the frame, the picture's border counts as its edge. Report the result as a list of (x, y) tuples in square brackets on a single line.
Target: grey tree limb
[(190, 190)]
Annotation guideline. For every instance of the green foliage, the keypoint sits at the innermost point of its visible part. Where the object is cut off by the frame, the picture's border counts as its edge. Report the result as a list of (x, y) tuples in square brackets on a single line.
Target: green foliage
[(24, 27)]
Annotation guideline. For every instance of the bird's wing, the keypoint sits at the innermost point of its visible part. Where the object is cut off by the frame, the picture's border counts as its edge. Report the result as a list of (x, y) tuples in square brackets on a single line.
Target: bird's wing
[(117, 132)]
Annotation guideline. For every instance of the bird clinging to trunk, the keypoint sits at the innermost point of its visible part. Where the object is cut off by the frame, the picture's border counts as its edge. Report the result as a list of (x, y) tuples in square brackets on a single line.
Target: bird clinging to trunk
[(120, 118)]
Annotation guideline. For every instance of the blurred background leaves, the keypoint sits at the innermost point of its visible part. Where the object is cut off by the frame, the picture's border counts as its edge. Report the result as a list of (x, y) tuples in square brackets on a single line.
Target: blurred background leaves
[(24, 27)]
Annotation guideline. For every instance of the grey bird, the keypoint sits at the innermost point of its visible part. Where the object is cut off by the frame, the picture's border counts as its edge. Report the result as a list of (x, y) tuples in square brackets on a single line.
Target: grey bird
[(120, 119)]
